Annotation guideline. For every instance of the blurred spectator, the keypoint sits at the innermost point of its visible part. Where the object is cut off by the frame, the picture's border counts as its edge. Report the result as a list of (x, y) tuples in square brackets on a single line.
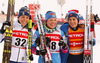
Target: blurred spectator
[(81, 17), (16, 14), (96, 18), (2, 12)]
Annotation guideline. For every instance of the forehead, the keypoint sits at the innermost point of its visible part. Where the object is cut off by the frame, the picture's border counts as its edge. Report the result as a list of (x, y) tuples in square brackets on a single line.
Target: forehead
[(24, 16), (51, 19), (72, 18)]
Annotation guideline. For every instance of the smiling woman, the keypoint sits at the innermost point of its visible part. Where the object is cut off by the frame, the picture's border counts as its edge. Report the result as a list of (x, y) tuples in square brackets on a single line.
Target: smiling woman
[(55, 35), (19, 36), (46, 5)]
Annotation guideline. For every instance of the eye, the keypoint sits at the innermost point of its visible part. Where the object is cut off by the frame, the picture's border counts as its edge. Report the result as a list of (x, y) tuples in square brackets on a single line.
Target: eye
[(73, 19), (51, 20), (22, 16), (27, 17), (55, 20), (69, 19)]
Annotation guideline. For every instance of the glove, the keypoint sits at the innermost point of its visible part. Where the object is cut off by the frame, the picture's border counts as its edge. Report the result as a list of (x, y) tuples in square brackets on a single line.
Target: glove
[(61, 43), (37, 41), (64, 46), (5, 24), (31, 57), (41, 52), (48, 40), (94, 42)]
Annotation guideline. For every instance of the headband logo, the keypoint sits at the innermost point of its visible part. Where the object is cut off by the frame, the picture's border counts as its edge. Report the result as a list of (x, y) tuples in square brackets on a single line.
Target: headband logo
[(23, 13), (71, 14), (25, 10), (52, 13)]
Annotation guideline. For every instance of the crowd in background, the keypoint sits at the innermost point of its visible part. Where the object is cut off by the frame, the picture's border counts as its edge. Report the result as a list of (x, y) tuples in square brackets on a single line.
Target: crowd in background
[(96, 17), (3, 13)]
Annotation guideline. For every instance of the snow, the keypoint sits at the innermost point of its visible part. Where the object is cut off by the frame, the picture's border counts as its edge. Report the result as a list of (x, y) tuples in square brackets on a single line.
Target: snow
[(96, 51)]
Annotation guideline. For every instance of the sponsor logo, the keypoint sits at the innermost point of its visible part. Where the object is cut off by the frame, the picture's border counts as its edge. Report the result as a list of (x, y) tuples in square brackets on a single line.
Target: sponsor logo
[(54, 37), (22, 34), (76, 35), (71, 14), (75, 44), (52, 13)]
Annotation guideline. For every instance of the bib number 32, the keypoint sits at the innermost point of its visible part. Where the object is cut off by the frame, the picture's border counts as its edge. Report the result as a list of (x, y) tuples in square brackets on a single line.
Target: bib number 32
[(20, 42)]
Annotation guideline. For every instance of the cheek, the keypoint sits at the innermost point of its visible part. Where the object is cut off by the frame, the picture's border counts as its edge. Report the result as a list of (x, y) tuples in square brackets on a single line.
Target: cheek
[(26, 20), (76, 23), (55, 23), (20, 20), (69, 23)]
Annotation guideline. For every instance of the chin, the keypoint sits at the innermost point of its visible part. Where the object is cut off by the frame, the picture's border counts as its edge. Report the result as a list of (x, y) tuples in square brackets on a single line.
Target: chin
[(72, 26), (52, 28)]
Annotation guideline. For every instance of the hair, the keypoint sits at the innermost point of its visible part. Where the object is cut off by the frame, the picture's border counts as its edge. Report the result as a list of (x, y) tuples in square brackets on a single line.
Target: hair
[(48, 11)]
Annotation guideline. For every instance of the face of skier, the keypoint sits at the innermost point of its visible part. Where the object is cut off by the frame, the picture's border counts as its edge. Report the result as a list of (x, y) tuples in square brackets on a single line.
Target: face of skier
[(73, 22), (51, 23), (23, 19)]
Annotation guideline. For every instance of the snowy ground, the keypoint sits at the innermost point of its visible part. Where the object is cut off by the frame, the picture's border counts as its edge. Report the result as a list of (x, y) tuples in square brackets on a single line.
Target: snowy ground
[(96, 51)]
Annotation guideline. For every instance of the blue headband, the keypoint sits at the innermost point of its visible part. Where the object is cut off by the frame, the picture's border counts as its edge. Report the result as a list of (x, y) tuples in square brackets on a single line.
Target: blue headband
[(50, 15), (24, 11)]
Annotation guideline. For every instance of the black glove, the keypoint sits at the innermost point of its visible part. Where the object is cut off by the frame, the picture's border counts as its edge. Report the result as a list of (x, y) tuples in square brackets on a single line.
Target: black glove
[(37, 41), (48, 40), (94, 42), (64, 46), (41, 52), (61, 43), (5, 24), (31, 57)]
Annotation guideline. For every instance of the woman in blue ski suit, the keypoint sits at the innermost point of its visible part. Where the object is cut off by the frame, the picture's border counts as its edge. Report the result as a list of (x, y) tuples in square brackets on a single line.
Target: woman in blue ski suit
[(54, 35)]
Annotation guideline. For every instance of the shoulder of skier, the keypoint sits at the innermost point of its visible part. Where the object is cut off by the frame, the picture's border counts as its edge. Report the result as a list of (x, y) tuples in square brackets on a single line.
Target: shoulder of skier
[(82, 25), (62, 33), (64, 27)]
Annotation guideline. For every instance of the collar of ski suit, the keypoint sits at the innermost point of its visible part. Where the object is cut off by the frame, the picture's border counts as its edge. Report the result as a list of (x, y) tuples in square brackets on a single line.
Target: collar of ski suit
[(48, 29)]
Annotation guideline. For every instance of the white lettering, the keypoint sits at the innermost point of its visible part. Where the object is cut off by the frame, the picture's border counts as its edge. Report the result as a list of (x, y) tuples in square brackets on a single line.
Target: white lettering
[(75, 44), (76, 35), (21, 34), (54, 37)]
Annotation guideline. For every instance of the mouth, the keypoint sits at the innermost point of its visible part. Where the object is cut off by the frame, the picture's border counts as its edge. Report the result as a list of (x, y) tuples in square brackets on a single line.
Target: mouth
[(52, 24), (24, 22)]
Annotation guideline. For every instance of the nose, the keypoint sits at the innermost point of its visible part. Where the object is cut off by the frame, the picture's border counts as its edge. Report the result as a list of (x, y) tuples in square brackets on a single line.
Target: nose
[(71, 20)]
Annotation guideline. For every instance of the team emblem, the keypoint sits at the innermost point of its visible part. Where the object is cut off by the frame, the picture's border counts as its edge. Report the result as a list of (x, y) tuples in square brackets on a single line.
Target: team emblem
[(22, 58)]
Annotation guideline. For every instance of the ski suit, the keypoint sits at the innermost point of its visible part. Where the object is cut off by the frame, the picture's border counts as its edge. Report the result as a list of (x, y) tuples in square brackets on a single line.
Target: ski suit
[(54, 47), (19, 43), (75, 42)]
